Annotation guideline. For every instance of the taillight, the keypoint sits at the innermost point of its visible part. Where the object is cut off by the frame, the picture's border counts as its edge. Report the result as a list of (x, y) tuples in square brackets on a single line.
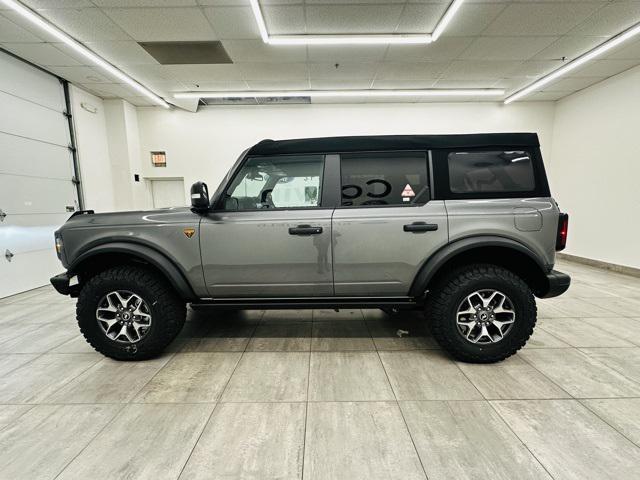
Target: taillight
[(563, 230)]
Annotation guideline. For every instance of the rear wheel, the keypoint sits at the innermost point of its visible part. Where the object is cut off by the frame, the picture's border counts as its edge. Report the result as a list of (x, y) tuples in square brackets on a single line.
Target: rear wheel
[(129, 313), (482, 313)]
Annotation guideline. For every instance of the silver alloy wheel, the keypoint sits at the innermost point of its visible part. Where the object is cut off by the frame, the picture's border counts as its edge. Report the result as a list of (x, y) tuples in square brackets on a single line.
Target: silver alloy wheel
[(485, 316), (123, 316)]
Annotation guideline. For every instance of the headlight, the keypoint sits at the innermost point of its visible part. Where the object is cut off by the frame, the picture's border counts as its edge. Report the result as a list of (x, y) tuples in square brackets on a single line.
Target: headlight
[(59, 246)]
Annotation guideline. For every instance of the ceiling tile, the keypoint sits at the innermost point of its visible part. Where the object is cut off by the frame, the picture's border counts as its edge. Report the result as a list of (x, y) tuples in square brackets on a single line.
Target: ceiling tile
[(421, 18), (273, 71), (17, 19), (346, 53), (57, 3), (233, 22), (404, 84), (351, 84), (569, 48), (571, 84), (472, 19), (10, 32), (534, 68), (150, 74), (278, 85), (345, 71), (478, 70), (604, 68), (284, 19), (445, 49), (81, 74), (465, 84), (41, 54), (203, 73), (410, 70), (122, 52), (145, 3), (85, 24), (541, 18), (610, 20), (352, 19), (258, 51), (108, 90), (163, 24), (630, 50), (506, 48)]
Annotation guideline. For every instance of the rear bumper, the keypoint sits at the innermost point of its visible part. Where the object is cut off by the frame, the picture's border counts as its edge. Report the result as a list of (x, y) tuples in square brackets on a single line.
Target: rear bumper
[(62, 284), (558, 284)]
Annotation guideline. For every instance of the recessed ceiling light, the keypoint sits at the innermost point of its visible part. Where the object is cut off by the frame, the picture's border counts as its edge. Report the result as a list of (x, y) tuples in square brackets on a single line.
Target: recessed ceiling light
[(82, 50), (467, 92), (599, 50), (349, 39)]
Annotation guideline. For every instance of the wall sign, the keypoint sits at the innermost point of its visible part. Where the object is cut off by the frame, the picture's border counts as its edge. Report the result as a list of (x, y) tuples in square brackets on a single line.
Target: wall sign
[(159, 159)]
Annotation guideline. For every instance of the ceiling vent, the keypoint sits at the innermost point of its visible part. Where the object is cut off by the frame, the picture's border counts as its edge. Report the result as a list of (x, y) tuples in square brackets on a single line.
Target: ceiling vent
[(179, 53), (254, 101)]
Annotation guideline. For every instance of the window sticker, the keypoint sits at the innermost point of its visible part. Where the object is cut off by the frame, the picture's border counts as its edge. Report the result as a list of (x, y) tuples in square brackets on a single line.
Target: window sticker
[(408, 192)]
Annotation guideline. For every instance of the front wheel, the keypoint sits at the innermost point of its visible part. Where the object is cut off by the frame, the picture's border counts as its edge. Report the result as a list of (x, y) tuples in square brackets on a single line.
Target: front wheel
[(482, 313), (129, 313)]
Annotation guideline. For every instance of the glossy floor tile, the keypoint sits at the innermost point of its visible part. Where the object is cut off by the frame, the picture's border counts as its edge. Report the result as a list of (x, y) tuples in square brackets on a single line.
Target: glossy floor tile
[(320, 394)]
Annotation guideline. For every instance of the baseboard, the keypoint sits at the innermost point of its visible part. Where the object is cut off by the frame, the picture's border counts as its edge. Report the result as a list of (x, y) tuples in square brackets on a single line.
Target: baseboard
[(634, 272)]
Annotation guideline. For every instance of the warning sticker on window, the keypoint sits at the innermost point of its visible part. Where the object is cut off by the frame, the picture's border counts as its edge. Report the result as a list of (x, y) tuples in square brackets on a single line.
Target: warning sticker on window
[(408, 191)]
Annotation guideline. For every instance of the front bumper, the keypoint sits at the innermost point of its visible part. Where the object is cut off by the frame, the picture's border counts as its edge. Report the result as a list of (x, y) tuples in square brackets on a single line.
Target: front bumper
[(62, 284), (558, 284)]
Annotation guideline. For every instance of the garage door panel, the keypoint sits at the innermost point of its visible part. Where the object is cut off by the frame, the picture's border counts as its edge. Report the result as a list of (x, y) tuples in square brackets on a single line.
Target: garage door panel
[(33, 121), (27, 195), (34, 85), (22, 156), (27, 233), (28, 270)]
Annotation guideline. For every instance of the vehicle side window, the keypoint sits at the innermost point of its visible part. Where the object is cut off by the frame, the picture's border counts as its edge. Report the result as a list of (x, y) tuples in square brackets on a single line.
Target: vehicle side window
[(283, 181), (486, 173), (389, 178), (495, 171)]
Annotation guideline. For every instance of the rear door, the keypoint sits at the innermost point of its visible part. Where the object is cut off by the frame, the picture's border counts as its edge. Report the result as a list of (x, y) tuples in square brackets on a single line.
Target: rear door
[(387, 224)]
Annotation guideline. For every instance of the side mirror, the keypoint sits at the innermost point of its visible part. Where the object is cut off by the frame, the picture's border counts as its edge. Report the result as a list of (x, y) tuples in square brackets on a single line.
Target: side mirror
[(199, 196)]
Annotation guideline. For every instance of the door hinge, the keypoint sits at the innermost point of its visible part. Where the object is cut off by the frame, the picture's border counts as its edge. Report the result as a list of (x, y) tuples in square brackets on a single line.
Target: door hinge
[(8, 255), (75, 181), (2, 216)]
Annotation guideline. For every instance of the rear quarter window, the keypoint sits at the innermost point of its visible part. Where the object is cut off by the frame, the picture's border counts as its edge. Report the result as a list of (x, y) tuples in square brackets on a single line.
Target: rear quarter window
[(489, 173)]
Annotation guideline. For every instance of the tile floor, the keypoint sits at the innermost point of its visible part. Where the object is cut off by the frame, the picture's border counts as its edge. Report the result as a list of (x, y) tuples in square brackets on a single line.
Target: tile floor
[(326, 395)]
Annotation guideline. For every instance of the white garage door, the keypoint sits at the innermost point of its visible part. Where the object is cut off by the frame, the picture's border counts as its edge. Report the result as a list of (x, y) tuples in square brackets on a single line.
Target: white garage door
[(36, 171)]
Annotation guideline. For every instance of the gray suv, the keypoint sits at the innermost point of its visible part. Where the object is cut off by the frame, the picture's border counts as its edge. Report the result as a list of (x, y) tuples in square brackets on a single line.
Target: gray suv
[(460, 226)]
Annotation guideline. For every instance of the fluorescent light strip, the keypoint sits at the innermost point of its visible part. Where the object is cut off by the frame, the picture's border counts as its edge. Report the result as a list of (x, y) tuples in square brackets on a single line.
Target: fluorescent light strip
[(469, 92), (348, 39), (81, 49), (599, 50)]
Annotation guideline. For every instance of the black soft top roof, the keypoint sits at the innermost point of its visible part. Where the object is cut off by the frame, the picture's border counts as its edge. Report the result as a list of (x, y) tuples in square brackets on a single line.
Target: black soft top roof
[(393, 142)]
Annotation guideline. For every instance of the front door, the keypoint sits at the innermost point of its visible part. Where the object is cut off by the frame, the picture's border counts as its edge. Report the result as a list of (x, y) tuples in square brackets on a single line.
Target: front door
[(271, 236), (387, 225)]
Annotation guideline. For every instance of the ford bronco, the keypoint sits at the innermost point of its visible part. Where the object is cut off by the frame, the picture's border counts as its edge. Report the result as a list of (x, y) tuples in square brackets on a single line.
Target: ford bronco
[(460, 226)]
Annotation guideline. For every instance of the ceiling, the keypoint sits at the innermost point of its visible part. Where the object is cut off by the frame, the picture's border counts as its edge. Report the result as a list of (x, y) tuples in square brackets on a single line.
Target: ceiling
[(489, 43)]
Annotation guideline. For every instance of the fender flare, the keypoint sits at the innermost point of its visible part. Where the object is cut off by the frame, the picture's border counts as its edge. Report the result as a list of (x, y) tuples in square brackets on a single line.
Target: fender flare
[(149, 255), (431, 267)]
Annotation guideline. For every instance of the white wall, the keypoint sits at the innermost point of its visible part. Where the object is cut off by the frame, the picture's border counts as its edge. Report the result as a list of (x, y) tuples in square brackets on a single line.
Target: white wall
[(204, 145), (93, 151), (596, 169)]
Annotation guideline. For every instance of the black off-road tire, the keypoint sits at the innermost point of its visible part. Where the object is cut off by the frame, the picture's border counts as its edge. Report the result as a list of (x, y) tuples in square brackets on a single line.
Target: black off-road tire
[(444, 300), (167, 311)]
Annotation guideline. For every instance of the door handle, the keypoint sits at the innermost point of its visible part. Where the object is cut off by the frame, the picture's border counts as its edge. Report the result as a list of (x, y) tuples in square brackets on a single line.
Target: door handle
[(420, 227), (305, 230)]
